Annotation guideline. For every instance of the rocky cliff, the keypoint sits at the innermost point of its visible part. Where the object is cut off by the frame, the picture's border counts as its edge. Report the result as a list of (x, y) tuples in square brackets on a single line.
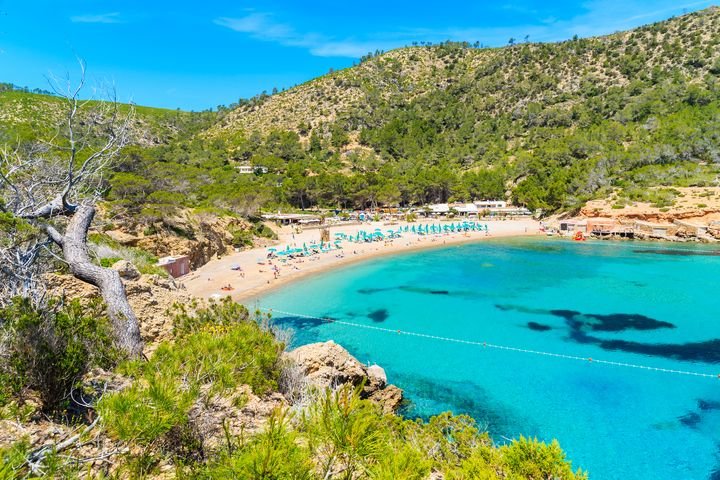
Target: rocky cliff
[(329, 365), (201, 237)]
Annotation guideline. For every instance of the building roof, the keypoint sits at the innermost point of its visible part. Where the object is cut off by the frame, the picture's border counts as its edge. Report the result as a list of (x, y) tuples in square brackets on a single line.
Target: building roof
[(171, 259), (290, 216)]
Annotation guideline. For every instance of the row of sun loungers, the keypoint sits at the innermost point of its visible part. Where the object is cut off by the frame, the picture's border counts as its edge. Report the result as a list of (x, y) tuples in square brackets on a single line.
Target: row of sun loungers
[(363, 236)]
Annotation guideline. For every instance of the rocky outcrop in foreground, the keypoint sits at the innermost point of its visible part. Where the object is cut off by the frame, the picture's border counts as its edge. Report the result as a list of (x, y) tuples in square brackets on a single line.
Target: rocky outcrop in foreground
[(328, 365), (212, 417), (150, 296)]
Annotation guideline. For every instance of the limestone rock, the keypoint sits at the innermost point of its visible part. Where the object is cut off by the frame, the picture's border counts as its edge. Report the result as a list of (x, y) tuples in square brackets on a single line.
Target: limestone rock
[(126, 270), (200, 237), (389, 398), (329, 365), (376, 376), (123, 238)]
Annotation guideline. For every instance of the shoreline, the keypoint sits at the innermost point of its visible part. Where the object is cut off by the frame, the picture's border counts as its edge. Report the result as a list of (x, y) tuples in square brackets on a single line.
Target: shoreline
[(257, 278)]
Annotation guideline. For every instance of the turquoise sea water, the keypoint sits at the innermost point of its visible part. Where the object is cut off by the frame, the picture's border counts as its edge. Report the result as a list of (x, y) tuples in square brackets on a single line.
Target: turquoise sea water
[(648, 304)]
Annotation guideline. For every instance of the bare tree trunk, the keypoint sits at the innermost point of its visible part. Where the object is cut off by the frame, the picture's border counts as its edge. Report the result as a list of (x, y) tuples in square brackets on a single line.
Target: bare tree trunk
[(74, 246)]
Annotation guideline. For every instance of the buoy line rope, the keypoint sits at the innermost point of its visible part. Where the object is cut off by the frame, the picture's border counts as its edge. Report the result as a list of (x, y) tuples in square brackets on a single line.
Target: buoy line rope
[(493, 345)]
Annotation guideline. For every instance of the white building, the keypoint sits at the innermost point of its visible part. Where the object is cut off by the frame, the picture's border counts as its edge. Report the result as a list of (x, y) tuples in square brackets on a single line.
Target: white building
[(247, 169), (439, 209), (293, 218), (490, 204), (465, 208)]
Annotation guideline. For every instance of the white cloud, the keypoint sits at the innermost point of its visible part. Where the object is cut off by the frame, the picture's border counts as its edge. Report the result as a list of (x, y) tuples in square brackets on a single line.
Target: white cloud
[(113, 17), (261, 26), (598, 17)]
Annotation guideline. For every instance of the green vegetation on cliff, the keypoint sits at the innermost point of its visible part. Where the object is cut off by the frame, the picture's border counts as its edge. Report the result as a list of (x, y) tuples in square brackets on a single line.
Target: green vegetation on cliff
[(220, 358)]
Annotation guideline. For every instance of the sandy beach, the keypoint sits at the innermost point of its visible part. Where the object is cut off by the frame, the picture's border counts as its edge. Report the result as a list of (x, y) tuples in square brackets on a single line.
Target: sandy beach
[(257, 275)]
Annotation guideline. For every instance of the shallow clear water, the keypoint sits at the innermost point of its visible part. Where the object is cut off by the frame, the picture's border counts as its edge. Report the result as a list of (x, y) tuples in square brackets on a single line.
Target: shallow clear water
[(647, 304)]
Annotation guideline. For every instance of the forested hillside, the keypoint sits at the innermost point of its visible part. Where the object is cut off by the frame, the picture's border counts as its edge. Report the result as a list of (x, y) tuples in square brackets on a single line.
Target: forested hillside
[(548, 125)]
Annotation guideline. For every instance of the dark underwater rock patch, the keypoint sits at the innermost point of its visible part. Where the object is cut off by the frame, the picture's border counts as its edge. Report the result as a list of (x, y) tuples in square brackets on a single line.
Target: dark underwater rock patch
[(370, 291), (379, 315), (613, 322), (690, 419), (707, 351), (708, 405), (538, 327)]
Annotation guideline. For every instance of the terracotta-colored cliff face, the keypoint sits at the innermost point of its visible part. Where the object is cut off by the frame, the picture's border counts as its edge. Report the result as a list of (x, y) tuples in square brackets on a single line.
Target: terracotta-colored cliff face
[(699, 205)]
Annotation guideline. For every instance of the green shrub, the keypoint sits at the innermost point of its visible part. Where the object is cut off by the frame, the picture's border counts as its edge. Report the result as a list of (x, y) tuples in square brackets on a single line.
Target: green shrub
[(189, 318), (12, 460), (341, 428), (262, 230), (49, 349), (242, 238), (108, 262), (143, 413), (219, 347), (109, 251), (528, 458), (274, 454)]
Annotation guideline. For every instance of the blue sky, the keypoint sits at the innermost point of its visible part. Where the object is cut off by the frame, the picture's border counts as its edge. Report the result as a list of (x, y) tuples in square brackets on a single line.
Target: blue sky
[(197, 55)]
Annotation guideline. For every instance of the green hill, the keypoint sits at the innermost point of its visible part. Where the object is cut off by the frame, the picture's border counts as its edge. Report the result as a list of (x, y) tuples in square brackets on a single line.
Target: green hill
[(26, 116), (550, 125), (554, 123)]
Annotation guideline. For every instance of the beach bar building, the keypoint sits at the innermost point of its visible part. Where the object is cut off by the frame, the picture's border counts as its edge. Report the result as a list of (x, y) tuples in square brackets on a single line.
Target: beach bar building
[(176, 266), (573, 225), (293, 218), (500, 208), (465, 209), (439, 209), (490, 204)]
